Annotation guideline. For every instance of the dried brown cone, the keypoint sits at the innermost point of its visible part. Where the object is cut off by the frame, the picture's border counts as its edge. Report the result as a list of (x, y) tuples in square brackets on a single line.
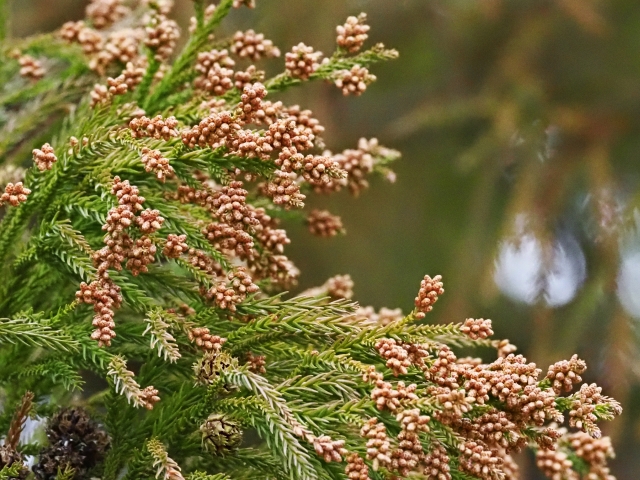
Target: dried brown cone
[(15, 194), (175, 246), (253, 45), (477, 328), (156, 127), (104, 13), (324, 224), (204, 340), (352, 35), (302, 61), (44, 157), (354, 81), (430, 290), (565, 374), (31, 68), (10, 456), (162, 35), (154, 162)]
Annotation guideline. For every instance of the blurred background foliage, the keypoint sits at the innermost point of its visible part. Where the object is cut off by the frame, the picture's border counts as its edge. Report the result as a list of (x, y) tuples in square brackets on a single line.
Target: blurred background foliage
[(519, 122)]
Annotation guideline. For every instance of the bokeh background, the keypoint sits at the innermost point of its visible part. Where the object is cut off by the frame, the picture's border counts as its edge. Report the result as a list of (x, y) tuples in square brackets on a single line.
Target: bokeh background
[(519, 124)]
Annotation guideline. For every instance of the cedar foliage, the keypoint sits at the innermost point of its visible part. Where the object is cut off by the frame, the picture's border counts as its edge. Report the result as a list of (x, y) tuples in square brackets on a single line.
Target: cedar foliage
[(173, 330)]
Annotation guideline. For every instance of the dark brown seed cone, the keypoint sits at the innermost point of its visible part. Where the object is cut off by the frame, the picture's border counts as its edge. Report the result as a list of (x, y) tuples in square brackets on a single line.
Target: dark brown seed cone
[(76, 441), (220, 434), (9, 457)]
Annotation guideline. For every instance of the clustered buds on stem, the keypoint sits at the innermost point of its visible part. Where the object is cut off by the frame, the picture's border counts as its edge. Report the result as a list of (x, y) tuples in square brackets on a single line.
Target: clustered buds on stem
[(353, 34), (253, 45), (302, 61), (44, 157), (354, 81), (15, 194)]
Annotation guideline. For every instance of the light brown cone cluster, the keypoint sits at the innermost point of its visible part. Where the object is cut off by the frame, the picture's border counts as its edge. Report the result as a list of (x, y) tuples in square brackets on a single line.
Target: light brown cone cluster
[(352, 35), (302, 61), (409, 453), (228, 294), (44, 157), (204, 340), (253, 46), (148, 396), (204, 262), (105, 297), (104, 13), (339, 286), (354, 81), (31, 68), (378, 445), (356, 469), (212, 131), (15, 194), (396, 356), (430, 290), (583, 406), (215, 75), (121, 46), (477, 328), (257, 363), (141, 254), (156, 127), (436, 463), (565, 374), (330, 450), (284, 191), (175, 246), (324, 224), (154, 162), (162, 34)]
